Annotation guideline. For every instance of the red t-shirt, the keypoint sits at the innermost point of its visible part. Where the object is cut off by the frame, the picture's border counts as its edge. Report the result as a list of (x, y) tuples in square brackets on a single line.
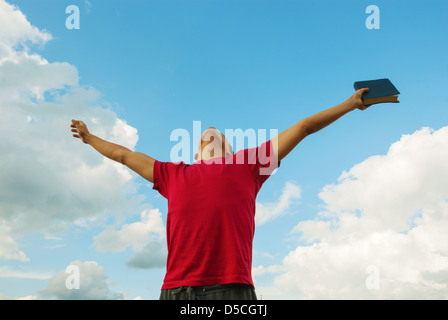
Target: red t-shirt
[(211, 210)]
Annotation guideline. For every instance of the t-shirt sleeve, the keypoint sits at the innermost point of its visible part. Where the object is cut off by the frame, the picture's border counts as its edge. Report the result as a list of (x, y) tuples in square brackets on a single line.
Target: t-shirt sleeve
[(163, 172), (261, 161)]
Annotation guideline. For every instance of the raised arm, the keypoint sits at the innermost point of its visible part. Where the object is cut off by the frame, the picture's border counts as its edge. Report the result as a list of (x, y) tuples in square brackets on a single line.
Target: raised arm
[(287, 140), (136, 161)]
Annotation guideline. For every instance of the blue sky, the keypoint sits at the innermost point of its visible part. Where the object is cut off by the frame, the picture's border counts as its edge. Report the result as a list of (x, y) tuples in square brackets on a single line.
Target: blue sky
[(160, 65)]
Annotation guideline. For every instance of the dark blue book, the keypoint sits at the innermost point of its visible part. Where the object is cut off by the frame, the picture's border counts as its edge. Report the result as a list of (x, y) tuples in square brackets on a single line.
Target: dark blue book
[(380, 91)]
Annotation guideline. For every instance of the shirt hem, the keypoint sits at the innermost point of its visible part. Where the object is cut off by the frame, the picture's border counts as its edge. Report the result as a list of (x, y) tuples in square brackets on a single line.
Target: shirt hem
[(205, 282)]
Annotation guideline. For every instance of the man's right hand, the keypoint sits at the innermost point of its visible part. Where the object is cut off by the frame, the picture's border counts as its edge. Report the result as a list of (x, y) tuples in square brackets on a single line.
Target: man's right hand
[(356, 99), (80, 130)]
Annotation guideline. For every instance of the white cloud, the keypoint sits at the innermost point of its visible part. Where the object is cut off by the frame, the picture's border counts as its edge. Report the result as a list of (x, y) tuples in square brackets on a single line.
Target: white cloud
[(152, 256), (124, 134), (16, 30), (389, 212), (145, 237), (6, 272), (135, 235), (93, 284), (9, 249), (4, 297), (48, 178), (31, 75), (390, 189), (269, 211)]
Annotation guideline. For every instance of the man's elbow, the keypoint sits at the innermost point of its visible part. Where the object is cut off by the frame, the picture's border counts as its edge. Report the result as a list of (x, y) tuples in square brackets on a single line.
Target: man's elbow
[(120, 156), (305, 128)]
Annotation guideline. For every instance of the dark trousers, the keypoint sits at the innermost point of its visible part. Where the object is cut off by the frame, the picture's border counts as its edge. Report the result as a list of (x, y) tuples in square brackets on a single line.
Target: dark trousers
[(232, 291)]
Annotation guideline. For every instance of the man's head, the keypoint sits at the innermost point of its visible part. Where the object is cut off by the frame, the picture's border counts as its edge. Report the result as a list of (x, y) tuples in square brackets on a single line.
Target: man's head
[(213, 144)]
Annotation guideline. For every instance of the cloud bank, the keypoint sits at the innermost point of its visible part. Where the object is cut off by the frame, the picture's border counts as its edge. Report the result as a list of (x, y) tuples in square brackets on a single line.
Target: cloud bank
[(265, 212), (48, 179), (93, 284), (388, 214), (145, 237)]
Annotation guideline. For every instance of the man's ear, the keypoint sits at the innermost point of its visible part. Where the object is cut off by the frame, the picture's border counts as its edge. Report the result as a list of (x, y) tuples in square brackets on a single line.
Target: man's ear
[(196, 156)]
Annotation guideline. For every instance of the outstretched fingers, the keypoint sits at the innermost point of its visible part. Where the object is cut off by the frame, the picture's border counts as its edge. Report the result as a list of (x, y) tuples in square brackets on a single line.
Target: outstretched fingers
[(74, 125), (80, 130), (76, 135)]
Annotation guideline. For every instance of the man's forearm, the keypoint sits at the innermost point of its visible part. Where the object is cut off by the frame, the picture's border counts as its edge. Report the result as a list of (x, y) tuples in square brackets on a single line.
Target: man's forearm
[(324, 118), (288, 139), (108, 149), (136, 161)]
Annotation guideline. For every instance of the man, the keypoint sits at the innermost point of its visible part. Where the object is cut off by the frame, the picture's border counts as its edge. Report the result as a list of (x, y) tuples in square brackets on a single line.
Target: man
[(211, 203)]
